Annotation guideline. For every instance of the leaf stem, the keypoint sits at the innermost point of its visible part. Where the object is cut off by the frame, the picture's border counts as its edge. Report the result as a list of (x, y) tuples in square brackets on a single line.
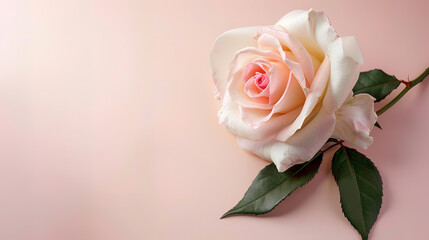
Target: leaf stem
[(340, 142), (406, 89)]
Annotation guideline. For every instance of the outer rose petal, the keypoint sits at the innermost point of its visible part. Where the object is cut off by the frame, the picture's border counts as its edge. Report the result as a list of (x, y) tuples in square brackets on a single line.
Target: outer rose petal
[(312, 29), (299, 148), (346, 60), (223, 51), (355, 120)]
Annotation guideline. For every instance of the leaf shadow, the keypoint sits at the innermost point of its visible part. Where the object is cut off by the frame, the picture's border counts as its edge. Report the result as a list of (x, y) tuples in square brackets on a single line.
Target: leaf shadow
[(384, 207)]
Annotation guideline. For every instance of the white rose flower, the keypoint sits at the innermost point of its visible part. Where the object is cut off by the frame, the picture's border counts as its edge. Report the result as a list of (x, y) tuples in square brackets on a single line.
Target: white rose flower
[(283, 88)]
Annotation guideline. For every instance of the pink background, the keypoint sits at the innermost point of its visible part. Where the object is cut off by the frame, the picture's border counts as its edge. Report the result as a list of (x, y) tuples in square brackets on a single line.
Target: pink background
[(108, 126)]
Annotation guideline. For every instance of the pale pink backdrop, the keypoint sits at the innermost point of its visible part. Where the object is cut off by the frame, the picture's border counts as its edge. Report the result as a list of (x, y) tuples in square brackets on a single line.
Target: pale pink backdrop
[(108, 127)]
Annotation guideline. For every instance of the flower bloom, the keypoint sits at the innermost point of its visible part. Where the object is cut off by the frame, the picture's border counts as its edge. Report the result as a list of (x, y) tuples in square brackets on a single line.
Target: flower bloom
[(286, 89)]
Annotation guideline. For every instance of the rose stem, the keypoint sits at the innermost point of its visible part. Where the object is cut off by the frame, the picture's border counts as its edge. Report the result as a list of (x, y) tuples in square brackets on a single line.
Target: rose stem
[(406, 89), (338, 142)]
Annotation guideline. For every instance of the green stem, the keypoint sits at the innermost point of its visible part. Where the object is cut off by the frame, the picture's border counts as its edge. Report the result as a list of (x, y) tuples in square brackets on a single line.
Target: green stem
[(401, 94)]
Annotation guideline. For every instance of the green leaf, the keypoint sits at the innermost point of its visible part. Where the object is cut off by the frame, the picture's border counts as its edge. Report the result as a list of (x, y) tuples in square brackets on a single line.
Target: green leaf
[(270, 187), (376, 83), (361, 188), (378, 125)]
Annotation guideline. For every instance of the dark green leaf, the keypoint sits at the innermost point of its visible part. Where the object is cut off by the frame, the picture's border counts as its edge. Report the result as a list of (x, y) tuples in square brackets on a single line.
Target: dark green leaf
[(270, 187), (378, 125), (361, 188), (376, 83)]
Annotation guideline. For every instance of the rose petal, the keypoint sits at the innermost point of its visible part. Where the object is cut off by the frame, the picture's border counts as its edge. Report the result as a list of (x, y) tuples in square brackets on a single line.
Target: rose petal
[(279, 75), (314, 96), (299, 148), (223, 51), (253, 91), (291, 99), (355, 120), (236, 85), (312, 29), (251, 69), (267, 42), (230, 116), (287, 40), (346, 60)]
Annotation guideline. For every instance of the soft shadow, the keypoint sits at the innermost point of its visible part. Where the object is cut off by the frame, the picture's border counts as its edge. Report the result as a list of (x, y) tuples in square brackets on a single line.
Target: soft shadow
[(387, 198)]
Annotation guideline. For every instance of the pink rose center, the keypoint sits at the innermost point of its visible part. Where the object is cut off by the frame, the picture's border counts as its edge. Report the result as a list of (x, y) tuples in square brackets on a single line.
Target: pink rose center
[(261, 80), (257, 81)]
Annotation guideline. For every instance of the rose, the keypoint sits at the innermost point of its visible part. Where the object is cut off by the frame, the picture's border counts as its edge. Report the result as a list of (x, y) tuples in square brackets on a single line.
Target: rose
[(284, 88)]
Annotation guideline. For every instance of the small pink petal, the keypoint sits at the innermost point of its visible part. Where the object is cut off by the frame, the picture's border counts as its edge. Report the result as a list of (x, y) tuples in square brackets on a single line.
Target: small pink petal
[(261, 80)]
